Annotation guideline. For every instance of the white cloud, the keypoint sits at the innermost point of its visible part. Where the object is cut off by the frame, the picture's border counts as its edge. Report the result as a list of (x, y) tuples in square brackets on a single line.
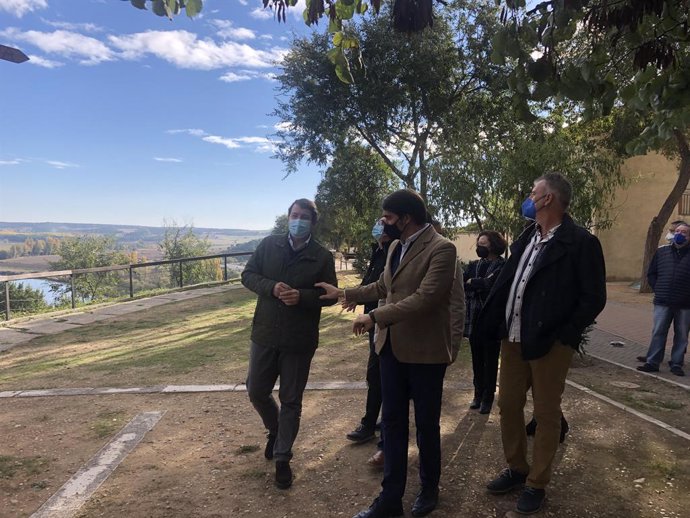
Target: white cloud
[(266, 37), (243, 2), (227, 30), (232, 77), (260, 144), (89, 51), (43, 62), (60, 165), (14, 161), (163, 159), (68, 26), (185, 50), (261, 14), (20, 7)]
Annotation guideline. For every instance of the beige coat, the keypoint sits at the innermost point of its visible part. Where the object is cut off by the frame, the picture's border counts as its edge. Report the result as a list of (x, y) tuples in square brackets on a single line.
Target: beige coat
[(417, 311)]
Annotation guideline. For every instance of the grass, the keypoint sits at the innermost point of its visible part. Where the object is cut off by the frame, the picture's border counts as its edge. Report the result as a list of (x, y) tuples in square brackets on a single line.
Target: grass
[(248, 448), (10, 465), (107, 423)]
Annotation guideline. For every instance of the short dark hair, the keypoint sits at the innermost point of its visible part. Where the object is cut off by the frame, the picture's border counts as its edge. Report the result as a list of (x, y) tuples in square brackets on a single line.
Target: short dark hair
[(679, 222), (497, 244), (406, 201), (560, 185), (306, 204)]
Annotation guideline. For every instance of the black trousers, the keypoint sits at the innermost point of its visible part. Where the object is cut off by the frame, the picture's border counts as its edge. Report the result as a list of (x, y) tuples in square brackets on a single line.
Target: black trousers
[(423, 384), (485, 355), (373, 407)]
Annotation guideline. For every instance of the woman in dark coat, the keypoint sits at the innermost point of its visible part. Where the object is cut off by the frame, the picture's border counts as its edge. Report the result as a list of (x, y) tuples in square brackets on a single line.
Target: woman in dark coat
[(479, 277)]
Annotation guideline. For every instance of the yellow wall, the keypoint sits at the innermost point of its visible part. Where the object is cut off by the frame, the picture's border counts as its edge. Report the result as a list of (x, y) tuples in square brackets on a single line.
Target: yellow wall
[(651, 178), (466, 242)]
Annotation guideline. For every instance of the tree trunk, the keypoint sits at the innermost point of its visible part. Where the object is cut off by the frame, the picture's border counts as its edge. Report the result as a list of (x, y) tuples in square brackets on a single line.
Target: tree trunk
[(656, 226)]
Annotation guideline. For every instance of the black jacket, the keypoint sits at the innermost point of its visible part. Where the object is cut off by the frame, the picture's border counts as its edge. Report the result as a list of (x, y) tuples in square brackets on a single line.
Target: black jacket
[(669, 276), (564, 294), (377, 262), (289, 328)]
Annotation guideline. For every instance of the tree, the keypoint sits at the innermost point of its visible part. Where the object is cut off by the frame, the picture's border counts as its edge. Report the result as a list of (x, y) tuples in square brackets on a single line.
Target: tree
[(602, 54), (281, 225), (24, 299), (180, 242), (488, 185), (90, 252), (350, 194), (416, 87)]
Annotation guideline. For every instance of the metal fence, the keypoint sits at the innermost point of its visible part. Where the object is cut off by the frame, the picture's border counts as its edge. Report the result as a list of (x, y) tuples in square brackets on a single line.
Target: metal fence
[(168, 274)]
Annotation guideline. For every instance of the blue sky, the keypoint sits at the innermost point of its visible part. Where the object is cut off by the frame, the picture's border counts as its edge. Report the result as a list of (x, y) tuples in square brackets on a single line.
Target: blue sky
[(121, 116)]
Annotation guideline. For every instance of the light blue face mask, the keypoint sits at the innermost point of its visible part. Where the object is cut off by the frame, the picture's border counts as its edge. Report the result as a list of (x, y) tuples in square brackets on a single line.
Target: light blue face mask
[(377, 231), (299, 228)]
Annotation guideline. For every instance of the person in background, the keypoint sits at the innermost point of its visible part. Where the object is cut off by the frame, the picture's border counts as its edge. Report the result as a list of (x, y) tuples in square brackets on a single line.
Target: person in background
[(669, 277), (478, 279), (285, 330), (365, 431)]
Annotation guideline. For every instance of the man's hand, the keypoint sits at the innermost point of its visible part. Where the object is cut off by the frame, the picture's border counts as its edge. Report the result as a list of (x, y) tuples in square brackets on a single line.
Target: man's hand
[(289, 297), (349, 306), (279, 288), (332, 293), (362, 324)]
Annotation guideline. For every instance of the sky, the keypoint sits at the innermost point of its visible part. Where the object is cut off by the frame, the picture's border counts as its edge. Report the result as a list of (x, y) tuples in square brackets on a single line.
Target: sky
[(124, 117)]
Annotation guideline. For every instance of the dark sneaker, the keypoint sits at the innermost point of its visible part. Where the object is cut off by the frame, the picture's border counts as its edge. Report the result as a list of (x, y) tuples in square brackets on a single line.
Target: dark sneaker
[(677, 370), (425, 503), (361, 434), (647, 367), (506, 481), (283, 474), (270, 443), (641, 359), (530, 500)]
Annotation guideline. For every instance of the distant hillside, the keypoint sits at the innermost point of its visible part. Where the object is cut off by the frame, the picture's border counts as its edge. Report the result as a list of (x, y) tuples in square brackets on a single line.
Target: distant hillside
[(131, 237), (121, 232)]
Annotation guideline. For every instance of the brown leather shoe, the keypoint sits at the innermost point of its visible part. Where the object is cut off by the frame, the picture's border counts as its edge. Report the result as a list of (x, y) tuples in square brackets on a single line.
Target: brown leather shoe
[(376, 460)]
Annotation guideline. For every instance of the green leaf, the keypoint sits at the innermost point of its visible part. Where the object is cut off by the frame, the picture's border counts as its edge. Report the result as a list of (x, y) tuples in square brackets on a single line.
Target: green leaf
[(362, 7), (343, 73), (338, 39), (540, 70), (193, 7), (348, 2), (344, 11), (159, 7), (139, 4), (334, 25)]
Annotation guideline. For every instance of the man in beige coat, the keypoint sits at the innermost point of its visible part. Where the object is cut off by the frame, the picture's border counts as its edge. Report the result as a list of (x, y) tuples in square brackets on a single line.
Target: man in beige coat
[(414, 346)]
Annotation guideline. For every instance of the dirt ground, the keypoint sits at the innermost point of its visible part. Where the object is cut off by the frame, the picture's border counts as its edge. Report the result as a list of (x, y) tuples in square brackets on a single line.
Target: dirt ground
[(205, 457)]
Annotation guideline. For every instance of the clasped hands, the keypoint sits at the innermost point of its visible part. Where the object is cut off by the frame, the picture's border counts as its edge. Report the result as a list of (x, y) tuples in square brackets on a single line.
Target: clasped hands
[(286, 294), (363, 323)]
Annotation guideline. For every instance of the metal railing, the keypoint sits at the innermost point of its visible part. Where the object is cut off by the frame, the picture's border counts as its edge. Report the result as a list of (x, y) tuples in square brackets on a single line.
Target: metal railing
[(73, 274)]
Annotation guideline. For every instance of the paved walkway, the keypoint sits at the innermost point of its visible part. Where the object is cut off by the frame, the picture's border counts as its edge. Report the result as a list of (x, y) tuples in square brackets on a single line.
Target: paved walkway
[(621, 333)]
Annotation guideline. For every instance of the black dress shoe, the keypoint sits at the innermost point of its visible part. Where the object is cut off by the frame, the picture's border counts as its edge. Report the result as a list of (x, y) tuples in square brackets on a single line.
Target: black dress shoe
[(641, 359), (378, 510), (426, 501), (648, 367), (361, 434), (487, 403), (283, 474)]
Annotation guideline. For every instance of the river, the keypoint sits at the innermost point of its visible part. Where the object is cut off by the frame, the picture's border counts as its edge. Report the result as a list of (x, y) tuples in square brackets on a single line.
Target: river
[(40, 284)]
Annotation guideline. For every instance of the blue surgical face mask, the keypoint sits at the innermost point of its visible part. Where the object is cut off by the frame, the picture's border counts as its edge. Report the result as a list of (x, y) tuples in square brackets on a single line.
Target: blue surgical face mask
[(377, 230), (529, 208), (299, 228), (680, 239)]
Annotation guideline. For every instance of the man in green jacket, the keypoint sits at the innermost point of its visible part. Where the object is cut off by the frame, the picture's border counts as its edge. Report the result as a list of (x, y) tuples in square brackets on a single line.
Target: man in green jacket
[(285, 331)]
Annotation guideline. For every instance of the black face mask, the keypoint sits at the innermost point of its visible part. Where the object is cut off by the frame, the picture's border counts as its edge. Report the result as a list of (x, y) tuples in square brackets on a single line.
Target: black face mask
[(482, 251), (391, 231)]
